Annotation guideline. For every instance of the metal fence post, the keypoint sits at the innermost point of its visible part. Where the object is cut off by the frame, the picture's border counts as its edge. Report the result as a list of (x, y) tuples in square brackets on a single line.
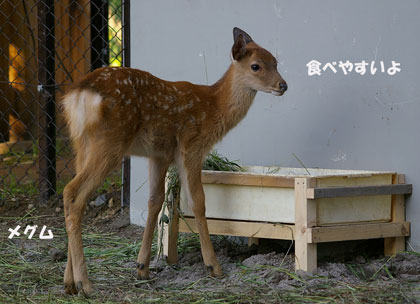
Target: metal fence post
[(46, 90), (125, 192), (99, 33)]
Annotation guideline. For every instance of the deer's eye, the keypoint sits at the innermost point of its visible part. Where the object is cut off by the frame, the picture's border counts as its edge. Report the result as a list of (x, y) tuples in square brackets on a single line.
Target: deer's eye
[(255, 67)]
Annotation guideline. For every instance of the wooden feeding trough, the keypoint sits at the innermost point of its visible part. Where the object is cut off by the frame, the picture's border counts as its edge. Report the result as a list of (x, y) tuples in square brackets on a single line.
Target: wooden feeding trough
[(308, 206)]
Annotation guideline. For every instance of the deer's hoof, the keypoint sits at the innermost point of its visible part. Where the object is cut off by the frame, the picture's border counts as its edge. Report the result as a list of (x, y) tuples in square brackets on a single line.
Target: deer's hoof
[(215, 271), (85, 288), (143, 274), (70, 289), (142, 271)]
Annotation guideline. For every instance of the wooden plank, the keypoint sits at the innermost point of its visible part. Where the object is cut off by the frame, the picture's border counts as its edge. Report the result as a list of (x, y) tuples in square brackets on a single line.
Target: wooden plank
[(315, 193), (246, 203), (354, 209), (358, 232), (235, 178), (73, 41), (354, 180), (394, 245), (305, 218), (239, 228)]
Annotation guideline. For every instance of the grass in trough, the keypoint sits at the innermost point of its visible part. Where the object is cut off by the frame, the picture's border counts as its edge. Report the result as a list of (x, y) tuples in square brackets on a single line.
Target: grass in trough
[(216, 162)]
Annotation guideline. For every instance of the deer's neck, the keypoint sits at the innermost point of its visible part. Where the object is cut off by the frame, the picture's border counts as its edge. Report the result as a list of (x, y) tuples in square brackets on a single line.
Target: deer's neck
[(233, 98)]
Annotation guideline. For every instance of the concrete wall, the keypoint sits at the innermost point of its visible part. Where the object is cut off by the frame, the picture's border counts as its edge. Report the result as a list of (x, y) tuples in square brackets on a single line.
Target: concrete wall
[(333, 120)]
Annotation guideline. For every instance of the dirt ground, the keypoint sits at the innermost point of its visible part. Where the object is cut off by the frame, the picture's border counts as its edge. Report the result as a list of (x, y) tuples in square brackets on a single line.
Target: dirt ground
[(32, 269)]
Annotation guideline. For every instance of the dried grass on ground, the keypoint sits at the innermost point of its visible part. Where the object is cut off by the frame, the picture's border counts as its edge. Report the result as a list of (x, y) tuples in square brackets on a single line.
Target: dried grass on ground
[(32, 270)]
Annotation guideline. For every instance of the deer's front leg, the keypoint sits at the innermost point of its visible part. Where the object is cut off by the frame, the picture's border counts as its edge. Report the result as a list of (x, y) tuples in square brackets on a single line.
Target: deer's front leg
[(157, 173), (190, 173)]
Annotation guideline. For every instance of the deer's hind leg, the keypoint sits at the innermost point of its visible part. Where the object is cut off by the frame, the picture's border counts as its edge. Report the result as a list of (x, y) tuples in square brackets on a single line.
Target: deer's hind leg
[(81, 148), (96, 167), (157, 173)]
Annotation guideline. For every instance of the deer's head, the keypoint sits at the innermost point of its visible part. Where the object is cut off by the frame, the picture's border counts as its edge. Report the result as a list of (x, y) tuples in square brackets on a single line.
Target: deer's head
[(257, 67)]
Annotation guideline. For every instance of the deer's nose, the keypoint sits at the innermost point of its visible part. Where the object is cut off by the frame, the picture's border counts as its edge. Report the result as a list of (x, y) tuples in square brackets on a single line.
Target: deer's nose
[(283, 86)]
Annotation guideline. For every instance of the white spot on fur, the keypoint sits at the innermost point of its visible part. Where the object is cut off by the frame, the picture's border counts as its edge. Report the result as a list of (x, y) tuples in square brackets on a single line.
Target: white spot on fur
[(105, 75), (128, 101), (81, 109), (117, 91), (203, 116)]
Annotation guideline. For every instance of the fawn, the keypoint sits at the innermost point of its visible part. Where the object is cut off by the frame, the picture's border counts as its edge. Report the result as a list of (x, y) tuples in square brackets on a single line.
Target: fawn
[(113, 112)]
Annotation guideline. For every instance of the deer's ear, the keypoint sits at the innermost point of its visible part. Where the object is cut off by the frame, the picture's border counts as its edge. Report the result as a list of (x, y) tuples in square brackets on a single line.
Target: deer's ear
[(238, 48), (237, 31)]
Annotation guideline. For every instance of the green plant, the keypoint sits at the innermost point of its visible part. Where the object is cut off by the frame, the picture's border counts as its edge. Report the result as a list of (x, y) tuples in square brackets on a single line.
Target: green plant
[(11, 187), (115, 33), (35, 148), (111, 182), (214, 161)]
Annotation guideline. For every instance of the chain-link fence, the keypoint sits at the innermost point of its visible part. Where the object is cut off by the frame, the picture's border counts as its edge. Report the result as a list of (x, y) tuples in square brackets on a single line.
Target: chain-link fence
[(45, 46)]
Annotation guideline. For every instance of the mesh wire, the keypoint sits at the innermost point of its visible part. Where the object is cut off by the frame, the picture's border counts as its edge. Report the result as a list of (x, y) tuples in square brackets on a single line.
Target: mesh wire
[(86, 35)]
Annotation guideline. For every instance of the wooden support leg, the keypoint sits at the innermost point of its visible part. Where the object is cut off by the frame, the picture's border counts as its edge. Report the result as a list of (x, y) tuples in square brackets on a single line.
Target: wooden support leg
[(253, 241), (169, 236), (396, 244), (305, 217)]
